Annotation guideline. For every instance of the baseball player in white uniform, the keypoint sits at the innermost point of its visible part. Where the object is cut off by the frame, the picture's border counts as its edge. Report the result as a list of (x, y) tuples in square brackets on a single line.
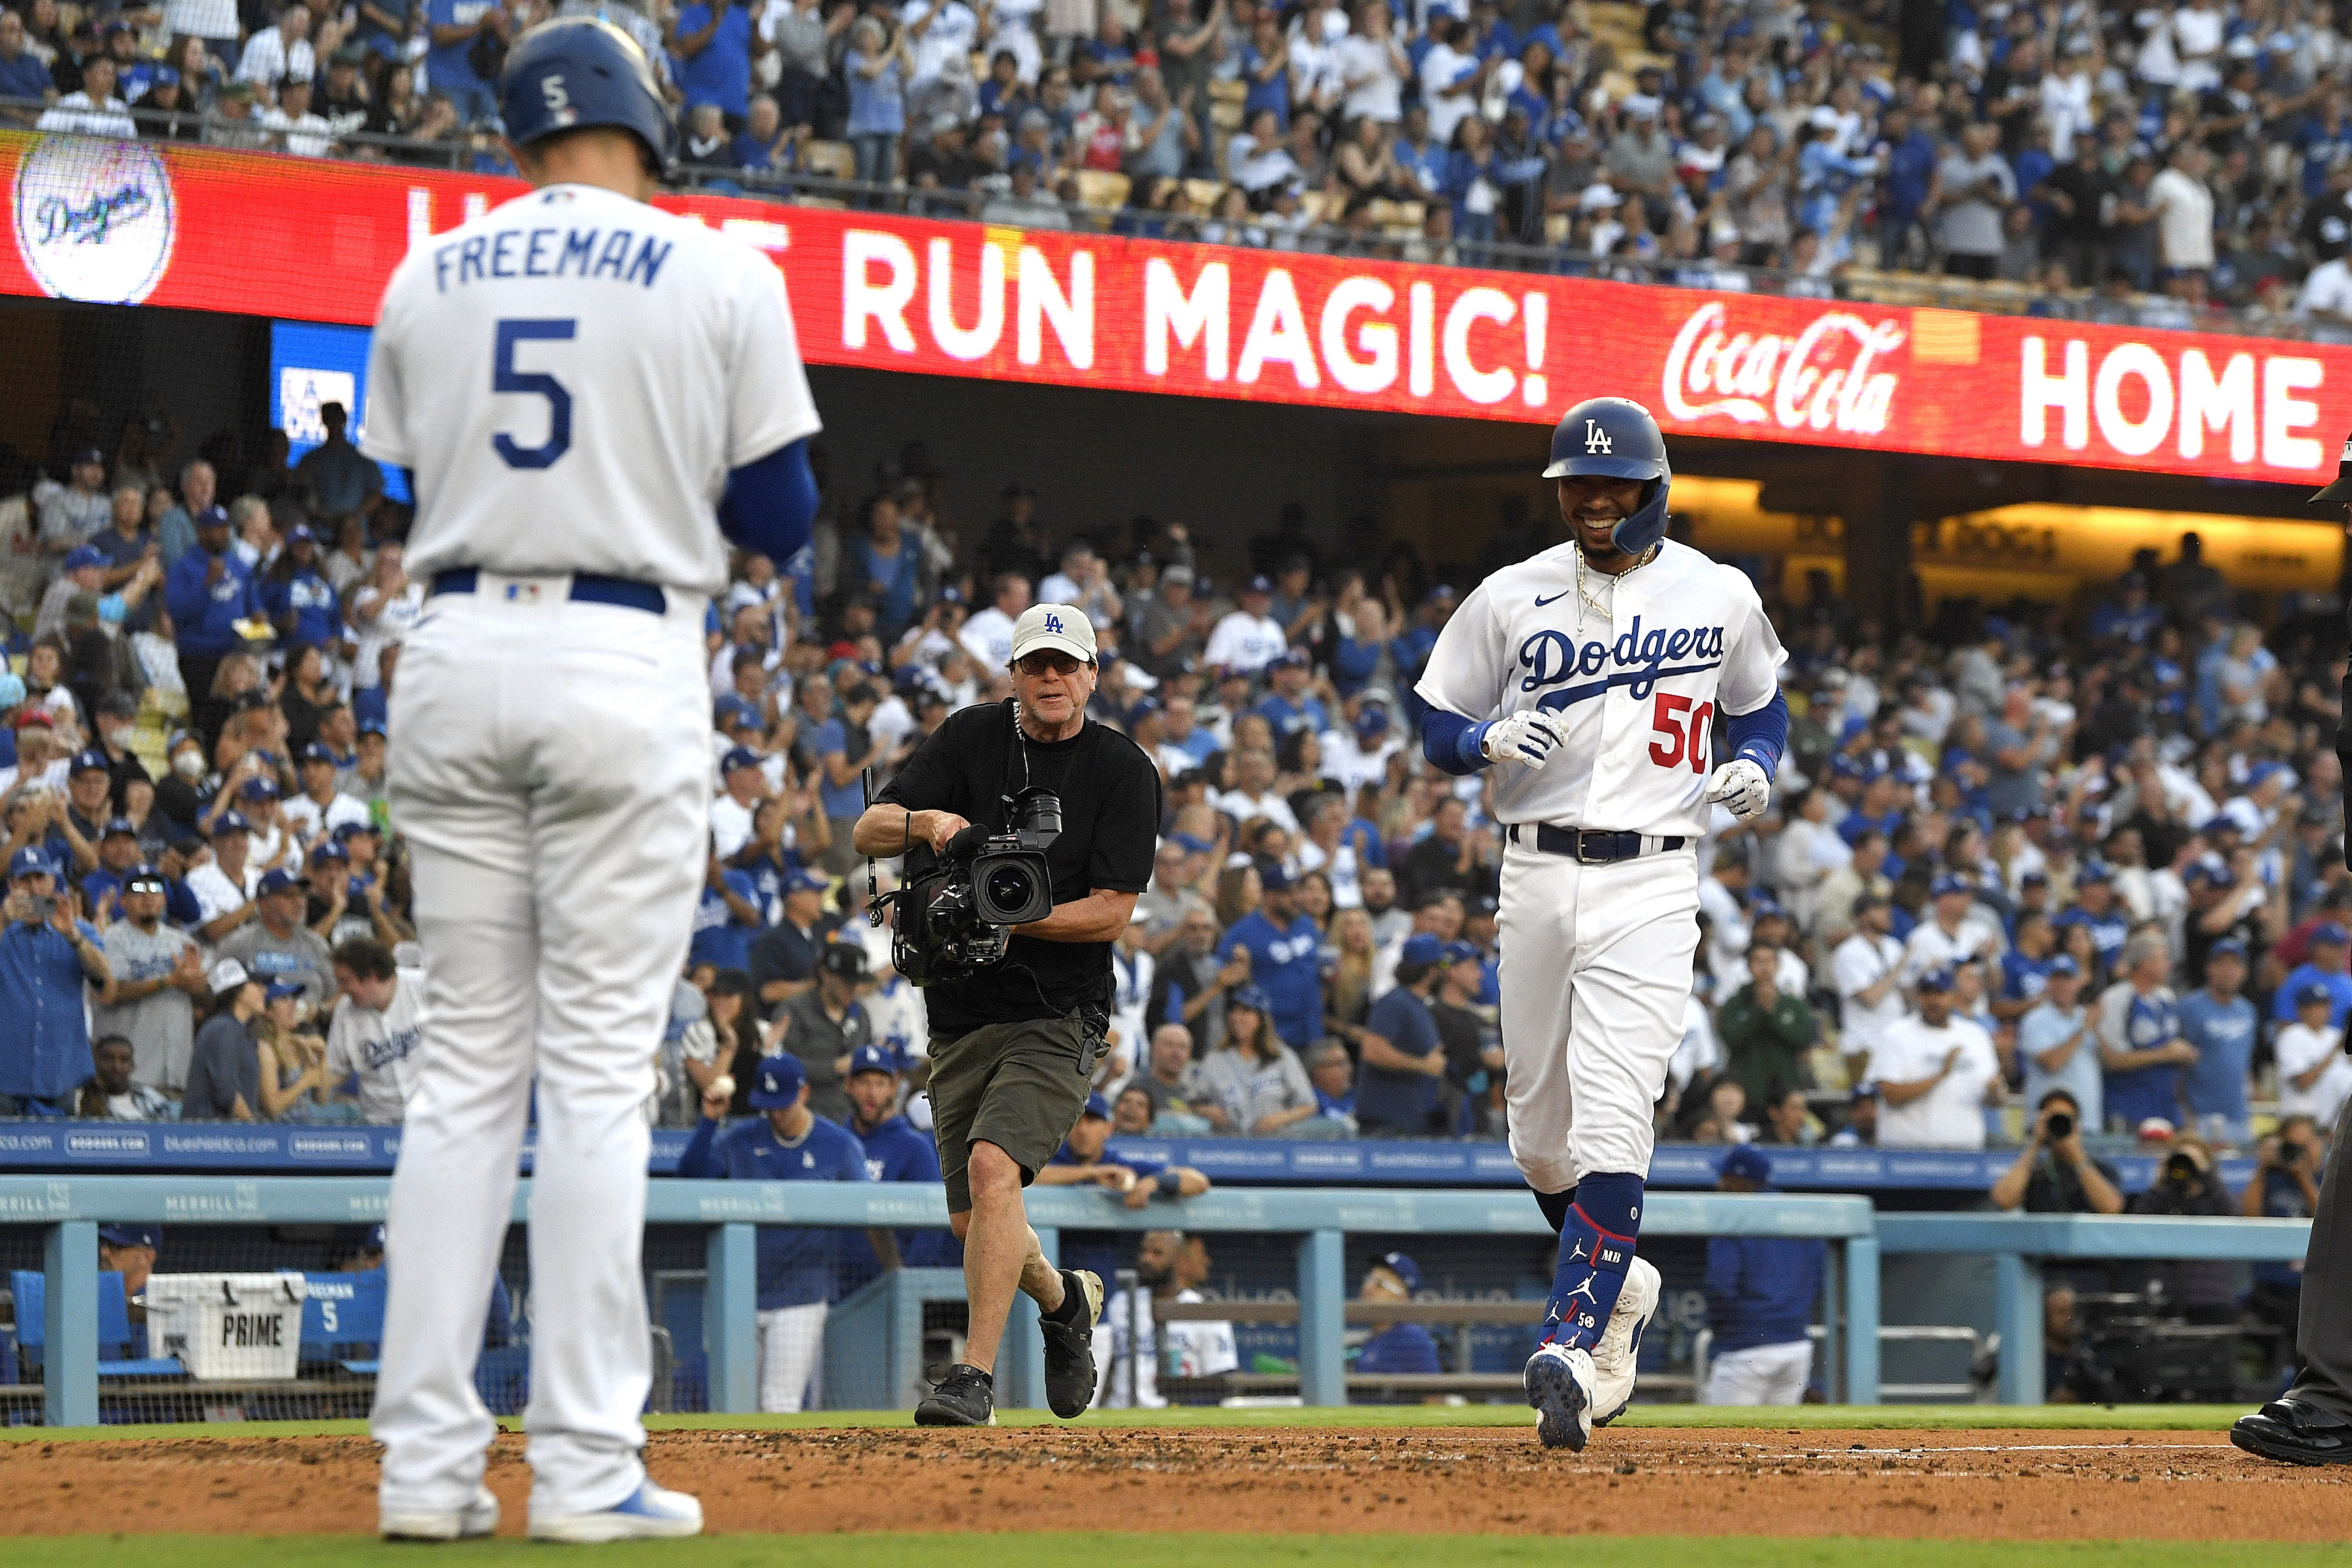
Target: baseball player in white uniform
[(589, 392), (1589, 677)]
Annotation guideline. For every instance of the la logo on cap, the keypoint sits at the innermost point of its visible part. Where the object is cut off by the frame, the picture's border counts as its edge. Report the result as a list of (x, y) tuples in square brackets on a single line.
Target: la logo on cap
[(1054, 622)]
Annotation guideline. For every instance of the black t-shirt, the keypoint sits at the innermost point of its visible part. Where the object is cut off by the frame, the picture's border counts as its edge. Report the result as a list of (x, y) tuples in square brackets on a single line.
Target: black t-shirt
[(2057, 1188), (1110, 820), (1464, 1036)]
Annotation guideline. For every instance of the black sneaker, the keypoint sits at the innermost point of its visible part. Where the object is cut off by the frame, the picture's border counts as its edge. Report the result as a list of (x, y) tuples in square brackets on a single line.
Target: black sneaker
[(965, 1397), (1070, 1348)]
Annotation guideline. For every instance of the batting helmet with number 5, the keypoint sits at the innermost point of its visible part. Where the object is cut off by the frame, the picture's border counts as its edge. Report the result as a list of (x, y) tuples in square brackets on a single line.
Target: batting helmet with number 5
[(578, 71), (1616, 438)]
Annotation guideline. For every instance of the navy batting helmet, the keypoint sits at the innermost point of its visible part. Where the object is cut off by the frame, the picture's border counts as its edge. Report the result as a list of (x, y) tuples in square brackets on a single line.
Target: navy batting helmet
[(1615, 437), (576, 71)]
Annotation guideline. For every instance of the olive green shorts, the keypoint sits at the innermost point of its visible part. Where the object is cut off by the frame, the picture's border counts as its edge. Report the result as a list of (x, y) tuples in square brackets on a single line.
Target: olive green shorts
[(1018, 1086)]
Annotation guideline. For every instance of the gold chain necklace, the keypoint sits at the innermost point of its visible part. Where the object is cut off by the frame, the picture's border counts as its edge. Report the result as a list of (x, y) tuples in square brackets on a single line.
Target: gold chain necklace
[(1604, 611)]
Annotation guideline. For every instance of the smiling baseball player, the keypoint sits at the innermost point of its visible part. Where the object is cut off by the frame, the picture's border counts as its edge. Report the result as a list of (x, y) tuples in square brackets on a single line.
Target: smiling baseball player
[(1590, 677), (595, 397)]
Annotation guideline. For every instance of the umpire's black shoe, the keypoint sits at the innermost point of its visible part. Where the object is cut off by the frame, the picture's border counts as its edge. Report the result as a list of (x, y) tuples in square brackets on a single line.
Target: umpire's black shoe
[(2294, 1432), (965, 1397), (1070, 1344)]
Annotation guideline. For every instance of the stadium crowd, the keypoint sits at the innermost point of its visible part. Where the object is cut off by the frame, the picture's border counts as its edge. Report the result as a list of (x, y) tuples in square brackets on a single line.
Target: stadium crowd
[(2183, 162), (2076, 861)]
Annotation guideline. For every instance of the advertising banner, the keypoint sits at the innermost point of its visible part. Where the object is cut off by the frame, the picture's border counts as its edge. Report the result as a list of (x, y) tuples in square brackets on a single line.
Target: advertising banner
[(302, 240)]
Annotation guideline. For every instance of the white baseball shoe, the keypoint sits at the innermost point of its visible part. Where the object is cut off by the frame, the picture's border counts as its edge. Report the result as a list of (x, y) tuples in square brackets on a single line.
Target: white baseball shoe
[(648, 1514), (1560, 1386), (478, 1518), (1621, 1344)]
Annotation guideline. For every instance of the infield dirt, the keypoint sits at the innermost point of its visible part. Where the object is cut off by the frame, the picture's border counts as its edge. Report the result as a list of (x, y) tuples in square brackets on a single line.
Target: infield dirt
[(1987, 1485)]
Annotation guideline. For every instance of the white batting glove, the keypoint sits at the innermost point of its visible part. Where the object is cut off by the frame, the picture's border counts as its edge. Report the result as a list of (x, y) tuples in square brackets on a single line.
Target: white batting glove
[(1526, 737), (1741, 787)]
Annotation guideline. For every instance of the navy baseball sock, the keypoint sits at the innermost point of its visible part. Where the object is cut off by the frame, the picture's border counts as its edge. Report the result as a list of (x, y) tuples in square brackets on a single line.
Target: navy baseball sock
[(1555, 1207), (1596, 1248)]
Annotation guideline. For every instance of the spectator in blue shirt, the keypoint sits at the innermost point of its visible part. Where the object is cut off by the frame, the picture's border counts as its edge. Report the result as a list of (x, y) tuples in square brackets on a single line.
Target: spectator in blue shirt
[(1404, 1060), (301, 604), (208, 590), (2141, 1049), (457, 26), (1282, 944), (22, 74), (1399, 1347), (715, 43), (1086, 1156), (842, 746), (45, 956), (878, 70), (2328, 946), (1290, 706), (1760, 1300), (1911, 157), (788, 1142), (2221, 1025), (895, 1152), (727, 918)]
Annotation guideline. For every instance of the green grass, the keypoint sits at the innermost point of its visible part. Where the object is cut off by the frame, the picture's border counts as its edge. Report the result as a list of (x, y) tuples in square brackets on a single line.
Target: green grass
[(1689, 1417), (1028, 1551)]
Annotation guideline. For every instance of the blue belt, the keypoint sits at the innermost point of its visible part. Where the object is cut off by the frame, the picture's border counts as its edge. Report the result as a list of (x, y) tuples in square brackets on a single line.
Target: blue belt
[(1593, 848), (587, 588)]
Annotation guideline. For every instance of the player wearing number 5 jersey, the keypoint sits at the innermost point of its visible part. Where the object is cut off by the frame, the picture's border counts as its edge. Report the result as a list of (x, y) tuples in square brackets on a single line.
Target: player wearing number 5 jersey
[(1590, 678), (595, 398)]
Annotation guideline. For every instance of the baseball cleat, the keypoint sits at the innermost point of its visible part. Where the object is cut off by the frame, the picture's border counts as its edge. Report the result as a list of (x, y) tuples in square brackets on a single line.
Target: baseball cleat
[(478, 1518), (1560, 1386), (1621, 1344), (965, 1397), (649, 1513), (1070, 1348)]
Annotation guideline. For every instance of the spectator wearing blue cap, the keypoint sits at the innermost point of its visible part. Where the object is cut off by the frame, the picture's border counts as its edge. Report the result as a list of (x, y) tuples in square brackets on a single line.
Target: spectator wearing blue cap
[(46, 956), (783, 957), (1290, 706), (2315, 1076), (297, 597), (1356, 751), (118, 852), (130, 1250), (2096, 907), (90, 789), (1766, 1031), (2141, 1052), (1341, 845), (742, 786), (1399, 1349), (276, 945), (826, 1024), (786, 1142), (294, 1079), (2058, 1043), (1935, 1073), (1399, 1092), (209, 591), (2221, 1025), (1248, 638), (158, 975), (72, 515), (1474, 1048), (1254, 1078), (1086, 1156), (1283, 946), (1953, 934), (83, 571), (2328, 948), (1760, 1291), (727, 917), (322, 806), (895, 1152)]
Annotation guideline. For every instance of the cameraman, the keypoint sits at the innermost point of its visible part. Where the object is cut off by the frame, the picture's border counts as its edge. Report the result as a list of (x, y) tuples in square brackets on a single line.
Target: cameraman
[(2054, 1173), (2285, 1185), (1012, 1047), (2200, 1291)]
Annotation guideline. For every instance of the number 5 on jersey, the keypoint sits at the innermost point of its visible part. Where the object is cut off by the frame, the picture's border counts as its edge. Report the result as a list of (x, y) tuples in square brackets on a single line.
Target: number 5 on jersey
[(1685, 732), (504, 377)]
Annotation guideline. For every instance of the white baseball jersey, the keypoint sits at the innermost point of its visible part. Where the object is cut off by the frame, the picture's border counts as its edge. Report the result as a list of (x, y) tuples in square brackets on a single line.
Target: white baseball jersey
[(1635, 692), (1951, 1115), (1243, 641), (380, 1048), (511, 371)]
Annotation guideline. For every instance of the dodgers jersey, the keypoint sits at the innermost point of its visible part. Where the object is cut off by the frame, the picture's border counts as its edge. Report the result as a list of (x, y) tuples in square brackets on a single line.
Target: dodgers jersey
[(570, 377), (1635, 693)]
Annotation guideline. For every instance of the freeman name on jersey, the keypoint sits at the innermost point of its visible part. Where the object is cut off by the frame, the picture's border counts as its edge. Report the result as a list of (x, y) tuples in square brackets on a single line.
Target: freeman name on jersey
[(617, 254)]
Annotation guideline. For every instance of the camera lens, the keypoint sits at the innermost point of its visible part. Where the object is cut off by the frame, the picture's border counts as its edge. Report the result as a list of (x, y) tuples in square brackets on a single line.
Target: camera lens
[(2062, 1125), (1009, 886)]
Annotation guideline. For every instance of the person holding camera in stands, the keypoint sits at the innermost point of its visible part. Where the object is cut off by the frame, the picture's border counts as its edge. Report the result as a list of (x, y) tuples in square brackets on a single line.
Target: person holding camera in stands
[(2202, 1290), (2285, 1185), (45, 955), (1014, 1041), (2054, 1173)]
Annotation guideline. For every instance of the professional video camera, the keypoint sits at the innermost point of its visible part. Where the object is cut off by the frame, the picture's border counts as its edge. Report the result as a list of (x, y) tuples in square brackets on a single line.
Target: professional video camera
[(953, 921)]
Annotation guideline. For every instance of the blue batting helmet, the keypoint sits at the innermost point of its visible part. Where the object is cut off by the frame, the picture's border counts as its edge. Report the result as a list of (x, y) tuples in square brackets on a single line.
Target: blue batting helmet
[(576, 71), (1615, 437)]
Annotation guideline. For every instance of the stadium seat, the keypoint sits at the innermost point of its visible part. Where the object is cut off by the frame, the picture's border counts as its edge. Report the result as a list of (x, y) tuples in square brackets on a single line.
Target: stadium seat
[(116, 1338), (1203, 193), (1101, 191), (834, 160)]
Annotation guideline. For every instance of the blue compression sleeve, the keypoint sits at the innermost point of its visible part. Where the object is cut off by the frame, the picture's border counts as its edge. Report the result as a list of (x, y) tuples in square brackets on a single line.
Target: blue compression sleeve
[(770, 504), (1763, 735), (1451, 742)]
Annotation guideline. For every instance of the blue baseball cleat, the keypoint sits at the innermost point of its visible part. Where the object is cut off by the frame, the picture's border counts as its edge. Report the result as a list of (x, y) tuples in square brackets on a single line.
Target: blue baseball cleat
[(648, 1513), (1560, 1386)]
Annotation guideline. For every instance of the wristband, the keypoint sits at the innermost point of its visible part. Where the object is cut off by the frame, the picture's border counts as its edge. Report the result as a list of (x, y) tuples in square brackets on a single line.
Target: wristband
[(1469, 747)]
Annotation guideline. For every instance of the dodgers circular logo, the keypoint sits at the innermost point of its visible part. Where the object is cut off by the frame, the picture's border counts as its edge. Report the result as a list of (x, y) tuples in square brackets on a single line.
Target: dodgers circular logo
[(94, 219)]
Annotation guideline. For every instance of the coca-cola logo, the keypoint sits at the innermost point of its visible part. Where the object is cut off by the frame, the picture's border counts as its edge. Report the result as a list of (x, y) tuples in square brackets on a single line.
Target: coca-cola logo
[(1821, 379)]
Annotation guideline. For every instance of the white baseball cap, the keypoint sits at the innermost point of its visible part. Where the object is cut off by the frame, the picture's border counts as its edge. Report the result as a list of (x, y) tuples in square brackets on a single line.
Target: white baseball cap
[(1056, 626), (227, 976)]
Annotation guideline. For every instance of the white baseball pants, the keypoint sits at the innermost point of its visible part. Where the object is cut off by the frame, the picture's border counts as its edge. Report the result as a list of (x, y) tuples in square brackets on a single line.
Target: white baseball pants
[(792, 1358), (1595, 971), (549, 769), (1762, 1374)]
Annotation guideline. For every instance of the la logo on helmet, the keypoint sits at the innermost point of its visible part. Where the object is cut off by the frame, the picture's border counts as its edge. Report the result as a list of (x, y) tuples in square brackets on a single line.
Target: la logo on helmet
[(1596, 439)]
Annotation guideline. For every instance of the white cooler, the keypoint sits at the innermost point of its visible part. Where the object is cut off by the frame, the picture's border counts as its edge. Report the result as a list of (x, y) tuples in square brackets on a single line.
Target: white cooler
[(227, 1326)]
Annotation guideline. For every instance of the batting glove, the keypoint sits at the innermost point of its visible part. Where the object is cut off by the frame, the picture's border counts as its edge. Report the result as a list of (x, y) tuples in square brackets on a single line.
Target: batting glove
[(1526, 737), (1741, 787)]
